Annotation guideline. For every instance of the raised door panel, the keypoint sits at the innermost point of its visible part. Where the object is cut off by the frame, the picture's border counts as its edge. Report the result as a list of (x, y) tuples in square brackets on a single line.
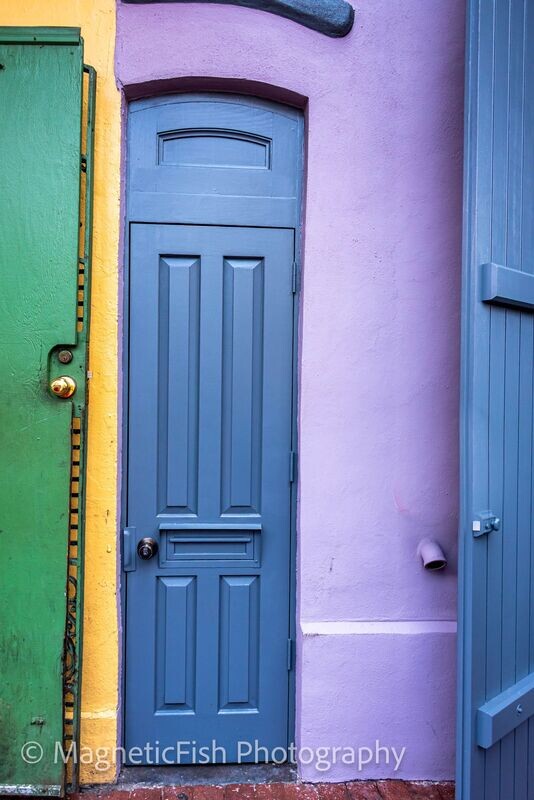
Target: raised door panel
[(214, 159)]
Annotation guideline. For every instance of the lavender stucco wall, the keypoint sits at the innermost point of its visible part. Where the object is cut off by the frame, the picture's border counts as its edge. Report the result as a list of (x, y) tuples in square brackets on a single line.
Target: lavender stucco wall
[(378, 350)]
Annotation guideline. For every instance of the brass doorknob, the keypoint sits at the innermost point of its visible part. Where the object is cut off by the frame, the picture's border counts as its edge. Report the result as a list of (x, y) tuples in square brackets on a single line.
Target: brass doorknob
[(63, 386)]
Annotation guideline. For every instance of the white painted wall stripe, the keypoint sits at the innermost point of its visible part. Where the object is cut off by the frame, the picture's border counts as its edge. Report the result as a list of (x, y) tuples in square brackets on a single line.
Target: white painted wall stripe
[(377, 627)]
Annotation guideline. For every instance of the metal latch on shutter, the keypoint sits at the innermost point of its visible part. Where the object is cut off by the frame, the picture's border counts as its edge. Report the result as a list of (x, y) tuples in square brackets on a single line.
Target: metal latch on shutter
[(485, 522)]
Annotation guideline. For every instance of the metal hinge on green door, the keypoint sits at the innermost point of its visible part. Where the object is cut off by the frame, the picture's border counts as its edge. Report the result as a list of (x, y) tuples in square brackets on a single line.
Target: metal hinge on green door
[(44, 259)]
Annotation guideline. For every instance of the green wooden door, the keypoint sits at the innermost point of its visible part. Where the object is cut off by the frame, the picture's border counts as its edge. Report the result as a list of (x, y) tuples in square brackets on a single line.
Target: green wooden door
[(41, 314)]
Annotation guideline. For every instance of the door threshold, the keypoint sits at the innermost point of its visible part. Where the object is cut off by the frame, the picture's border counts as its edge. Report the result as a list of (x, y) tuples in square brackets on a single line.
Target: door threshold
[(205, 774)]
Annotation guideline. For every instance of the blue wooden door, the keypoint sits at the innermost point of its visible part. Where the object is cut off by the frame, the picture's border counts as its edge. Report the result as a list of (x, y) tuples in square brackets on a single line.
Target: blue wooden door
[(496, 637), (210, 452)]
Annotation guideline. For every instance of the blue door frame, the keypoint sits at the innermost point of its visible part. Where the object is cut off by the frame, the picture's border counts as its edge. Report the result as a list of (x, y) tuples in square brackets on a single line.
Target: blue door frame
[(284, 213)]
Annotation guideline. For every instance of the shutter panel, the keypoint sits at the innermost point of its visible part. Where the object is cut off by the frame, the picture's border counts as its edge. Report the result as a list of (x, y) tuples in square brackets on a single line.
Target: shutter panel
[(496, 636)]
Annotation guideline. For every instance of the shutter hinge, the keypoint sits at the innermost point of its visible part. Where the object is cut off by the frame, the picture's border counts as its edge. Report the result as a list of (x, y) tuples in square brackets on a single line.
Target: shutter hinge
[(129, 560), (290, 654), (292, 466), (295, 282)]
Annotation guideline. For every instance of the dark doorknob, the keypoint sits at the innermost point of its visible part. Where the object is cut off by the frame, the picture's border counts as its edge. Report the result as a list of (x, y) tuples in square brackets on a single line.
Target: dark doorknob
[(147, 548)]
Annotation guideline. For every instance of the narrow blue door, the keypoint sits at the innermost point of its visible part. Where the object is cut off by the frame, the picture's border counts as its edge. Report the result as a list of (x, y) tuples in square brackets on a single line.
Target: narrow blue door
[(496, 637), (210, 441)]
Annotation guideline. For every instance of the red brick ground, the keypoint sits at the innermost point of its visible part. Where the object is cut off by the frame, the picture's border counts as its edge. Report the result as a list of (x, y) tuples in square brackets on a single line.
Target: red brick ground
[(356, 790)]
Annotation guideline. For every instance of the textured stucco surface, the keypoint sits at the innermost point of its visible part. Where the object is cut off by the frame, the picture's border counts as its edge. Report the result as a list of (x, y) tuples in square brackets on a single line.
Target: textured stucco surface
[(96, 18), (396, 683), (378, 345)]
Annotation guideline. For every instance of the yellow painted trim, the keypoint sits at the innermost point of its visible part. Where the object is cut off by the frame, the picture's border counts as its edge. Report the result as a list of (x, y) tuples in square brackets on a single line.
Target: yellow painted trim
[(99, 714), (96, 18)]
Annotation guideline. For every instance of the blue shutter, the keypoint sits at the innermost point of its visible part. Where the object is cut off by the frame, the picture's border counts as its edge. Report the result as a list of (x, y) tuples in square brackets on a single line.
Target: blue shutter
[(496, 637)]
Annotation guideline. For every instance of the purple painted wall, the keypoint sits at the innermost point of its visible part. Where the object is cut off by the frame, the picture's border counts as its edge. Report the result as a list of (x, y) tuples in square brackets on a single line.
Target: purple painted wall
[(378, 350)]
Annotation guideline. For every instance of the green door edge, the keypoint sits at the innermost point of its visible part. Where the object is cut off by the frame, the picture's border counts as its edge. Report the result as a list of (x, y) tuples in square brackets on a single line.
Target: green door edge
[(72, 675)]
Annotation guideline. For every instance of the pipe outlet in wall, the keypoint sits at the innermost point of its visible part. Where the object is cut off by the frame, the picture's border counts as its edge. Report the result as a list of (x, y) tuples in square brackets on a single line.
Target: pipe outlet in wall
[(431, 555)]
